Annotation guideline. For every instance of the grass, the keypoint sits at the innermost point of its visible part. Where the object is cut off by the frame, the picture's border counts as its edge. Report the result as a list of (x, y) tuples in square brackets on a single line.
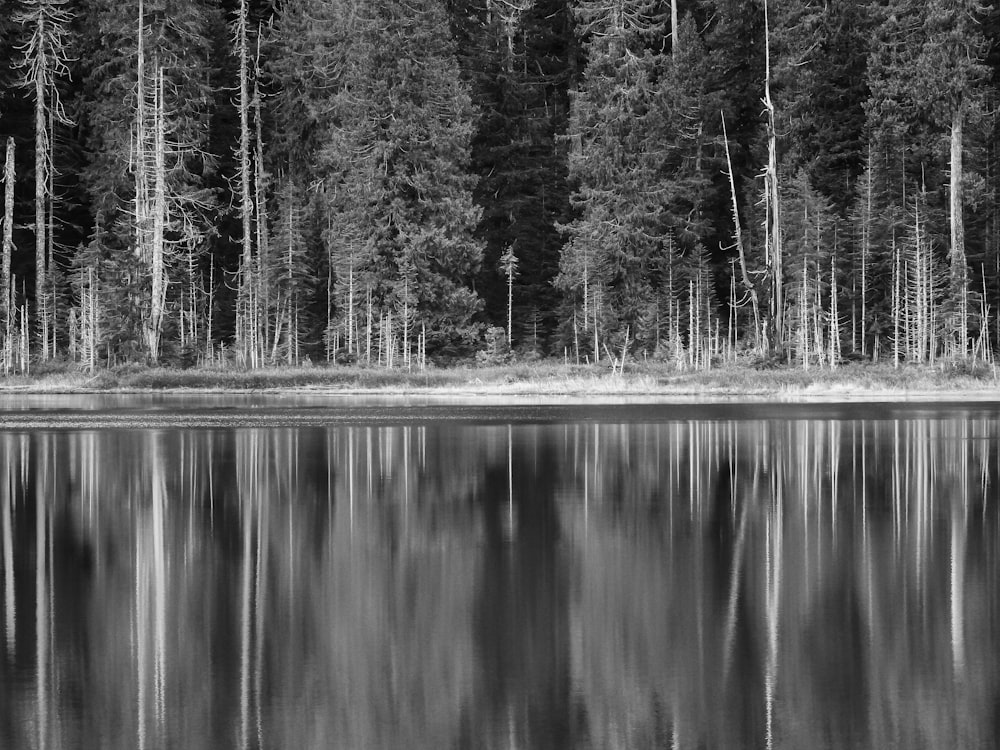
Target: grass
[(538, 378)]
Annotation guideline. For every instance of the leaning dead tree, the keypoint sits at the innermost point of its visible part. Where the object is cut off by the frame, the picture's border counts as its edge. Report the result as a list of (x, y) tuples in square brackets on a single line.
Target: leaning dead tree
[(749, 285)]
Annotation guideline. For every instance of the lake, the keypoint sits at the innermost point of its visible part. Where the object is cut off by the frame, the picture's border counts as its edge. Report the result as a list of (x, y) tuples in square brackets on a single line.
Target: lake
[(301, 572)]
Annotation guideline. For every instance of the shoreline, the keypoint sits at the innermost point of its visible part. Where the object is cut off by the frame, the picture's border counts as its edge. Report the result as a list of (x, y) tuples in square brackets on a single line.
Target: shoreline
[(542, 381)]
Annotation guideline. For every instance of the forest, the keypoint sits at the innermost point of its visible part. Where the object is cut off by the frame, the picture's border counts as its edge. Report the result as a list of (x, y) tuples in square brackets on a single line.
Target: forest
[(398, 182)]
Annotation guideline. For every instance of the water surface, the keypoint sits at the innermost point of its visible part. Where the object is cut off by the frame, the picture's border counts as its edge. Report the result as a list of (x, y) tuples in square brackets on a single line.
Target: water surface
[(310, 573)]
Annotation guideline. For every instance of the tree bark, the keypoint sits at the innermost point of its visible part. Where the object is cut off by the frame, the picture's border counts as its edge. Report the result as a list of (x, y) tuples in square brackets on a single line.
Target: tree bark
[(959, 269), (8, 230), (741, 250), (41, 181), (773, 206), (158, 281), (675, 48), (244, 316)]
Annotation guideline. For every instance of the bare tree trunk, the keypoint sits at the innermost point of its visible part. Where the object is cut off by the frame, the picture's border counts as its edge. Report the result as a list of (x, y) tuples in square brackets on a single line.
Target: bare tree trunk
[(896, 306), (52, 312), (245, 298), (773, 206), (740, 248), (158, 281), (834, 315), (866, 238), (140, 156), (959, 269), (41, 181), (260, 203), (8, 230), (675, 47), (350, 303), (368, 330), (45, 59)]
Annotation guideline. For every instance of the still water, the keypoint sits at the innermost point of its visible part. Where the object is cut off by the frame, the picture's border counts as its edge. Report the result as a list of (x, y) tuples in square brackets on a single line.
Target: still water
[(626, 577)]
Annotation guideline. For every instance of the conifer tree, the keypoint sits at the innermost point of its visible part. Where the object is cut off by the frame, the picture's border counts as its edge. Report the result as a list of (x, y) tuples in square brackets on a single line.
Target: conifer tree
[(925, 76), (614, 160), (396, 159), (519, 58), (952, 61)]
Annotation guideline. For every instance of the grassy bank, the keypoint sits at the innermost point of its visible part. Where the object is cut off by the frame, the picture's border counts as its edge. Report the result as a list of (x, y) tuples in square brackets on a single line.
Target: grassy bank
[(543, 378)]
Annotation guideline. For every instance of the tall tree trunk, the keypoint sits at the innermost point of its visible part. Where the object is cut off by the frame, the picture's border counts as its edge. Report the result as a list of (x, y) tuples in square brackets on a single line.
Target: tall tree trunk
[(158, 273), (866, 239), (773, 209), (8, 231), (245, 320), (260, 206), (675, 48), (41, 181), (959, 269)]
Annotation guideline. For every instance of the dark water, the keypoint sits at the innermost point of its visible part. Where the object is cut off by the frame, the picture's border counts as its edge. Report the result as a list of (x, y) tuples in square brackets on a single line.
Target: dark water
[(306, 576)]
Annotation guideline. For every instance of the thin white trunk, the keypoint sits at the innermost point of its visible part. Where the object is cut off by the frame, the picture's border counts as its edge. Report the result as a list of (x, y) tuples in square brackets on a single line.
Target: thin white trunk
[(9, 599), (774, 214), (245, 318), (675, 46), (740, 248), (260, 203), (959, 270), (866, 238), (42, 600), (157, 269), (41, 181), (510, 307), (8, 229)]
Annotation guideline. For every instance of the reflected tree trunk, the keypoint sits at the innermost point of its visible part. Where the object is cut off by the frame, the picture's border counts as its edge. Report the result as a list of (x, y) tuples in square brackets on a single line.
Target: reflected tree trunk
[(9, 599), (42, 613)]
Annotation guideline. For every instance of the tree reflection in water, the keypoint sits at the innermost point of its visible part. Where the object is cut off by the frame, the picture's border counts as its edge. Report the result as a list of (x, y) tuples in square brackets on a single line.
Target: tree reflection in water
[(777, 583)]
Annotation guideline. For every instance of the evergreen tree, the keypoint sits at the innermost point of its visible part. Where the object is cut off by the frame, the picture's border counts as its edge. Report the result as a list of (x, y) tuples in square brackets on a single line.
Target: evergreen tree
[(614, 162), (952, 56), (519, 59), (925, 77), (398, 171)]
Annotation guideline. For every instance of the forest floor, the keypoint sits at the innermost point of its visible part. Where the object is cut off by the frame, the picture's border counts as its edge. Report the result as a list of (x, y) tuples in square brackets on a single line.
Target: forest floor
[(540, 378)]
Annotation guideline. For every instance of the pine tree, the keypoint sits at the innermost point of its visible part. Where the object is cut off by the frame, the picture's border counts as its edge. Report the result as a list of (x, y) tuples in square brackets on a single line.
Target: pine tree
[(925, 77), (952, 58), (519, 58), (614, 160), (397, 172)]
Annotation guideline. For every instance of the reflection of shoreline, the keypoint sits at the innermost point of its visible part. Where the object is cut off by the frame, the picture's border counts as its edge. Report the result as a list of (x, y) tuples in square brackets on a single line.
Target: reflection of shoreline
[(273, 411)]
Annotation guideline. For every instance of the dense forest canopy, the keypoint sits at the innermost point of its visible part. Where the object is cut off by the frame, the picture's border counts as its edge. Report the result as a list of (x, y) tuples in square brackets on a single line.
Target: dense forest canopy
[(276, 181)]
